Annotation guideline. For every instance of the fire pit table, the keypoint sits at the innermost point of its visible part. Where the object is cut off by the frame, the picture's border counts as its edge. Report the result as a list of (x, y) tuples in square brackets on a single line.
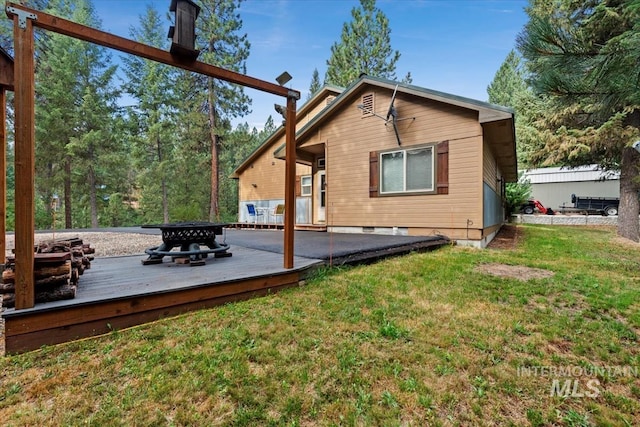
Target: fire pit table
[(189, 237)]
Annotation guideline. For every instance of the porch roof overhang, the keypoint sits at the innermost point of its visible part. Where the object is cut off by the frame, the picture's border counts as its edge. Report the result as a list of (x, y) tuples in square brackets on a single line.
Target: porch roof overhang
[(500, 135)]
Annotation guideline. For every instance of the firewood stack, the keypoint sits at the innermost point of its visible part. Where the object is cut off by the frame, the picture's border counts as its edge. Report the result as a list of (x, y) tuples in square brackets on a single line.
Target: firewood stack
[(58, 265)]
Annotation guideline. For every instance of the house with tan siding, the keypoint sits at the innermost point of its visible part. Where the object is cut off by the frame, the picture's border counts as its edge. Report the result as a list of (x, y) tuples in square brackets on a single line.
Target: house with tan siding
[(390, 158)]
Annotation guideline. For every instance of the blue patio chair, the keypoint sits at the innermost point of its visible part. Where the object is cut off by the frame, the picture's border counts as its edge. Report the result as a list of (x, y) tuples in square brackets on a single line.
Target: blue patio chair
[(253, 212)]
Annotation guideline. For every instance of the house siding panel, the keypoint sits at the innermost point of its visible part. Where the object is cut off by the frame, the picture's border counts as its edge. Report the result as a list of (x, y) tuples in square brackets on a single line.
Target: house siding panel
[(489, 167), (267, 173)]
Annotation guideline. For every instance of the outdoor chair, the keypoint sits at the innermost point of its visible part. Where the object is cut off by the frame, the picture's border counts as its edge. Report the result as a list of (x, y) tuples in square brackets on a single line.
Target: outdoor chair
[(278, 211), (251, 208)]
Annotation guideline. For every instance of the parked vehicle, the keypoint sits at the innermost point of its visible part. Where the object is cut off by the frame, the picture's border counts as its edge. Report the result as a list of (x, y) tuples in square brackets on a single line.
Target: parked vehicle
[(531, 205), (607, 206)]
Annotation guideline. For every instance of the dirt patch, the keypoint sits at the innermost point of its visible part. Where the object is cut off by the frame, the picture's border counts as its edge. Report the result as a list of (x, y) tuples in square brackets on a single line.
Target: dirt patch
[(627, 243), (507, 238), (559, 346), (519, 272)]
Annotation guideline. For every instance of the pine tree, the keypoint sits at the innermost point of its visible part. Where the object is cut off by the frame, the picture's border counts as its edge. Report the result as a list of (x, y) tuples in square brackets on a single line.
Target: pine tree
[(74, 110), (315, 85), (57, 72), (95, 140), (508, 84), (150, 83), (509, 88), (364, 48), (191, 190), (583, 59), (219, 26)]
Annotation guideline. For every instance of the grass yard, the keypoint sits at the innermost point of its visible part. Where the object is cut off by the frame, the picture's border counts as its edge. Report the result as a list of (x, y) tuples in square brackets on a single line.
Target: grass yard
[(425, 339)]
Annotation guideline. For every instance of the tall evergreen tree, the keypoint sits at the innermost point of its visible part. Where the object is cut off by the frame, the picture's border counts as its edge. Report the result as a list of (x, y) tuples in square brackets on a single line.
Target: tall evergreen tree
[(224, 45), (90, 150), (74, 110), (364, 47), (508, 84), (57, 92), (190, 187), (151, 84), (315, 85), (510, 89), (583, 58)]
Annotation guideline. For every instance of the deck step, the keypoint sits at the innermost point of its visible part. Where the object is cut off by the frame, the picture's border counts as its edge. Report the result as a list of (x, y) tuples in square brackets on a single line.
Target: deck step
[(258, 226), (310, 227)]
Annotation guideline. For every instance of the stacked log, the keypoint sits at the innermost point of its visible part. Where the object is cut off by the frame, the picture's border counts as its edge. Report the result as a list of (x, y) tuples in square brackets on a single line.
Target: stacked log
[(58, 265)]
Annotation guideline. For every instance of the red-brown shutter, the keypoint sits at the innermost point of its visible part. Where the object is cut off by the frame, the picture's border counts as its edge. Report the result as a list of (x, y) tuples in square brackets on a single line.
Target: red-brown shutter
[(373, 174), (442, 168), (298, 186)]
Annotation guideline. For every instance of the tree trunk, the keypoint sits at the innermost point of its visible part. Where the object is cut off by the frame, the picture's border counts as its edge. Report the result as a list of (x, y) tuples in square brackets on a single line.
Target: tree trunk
[(163, 183), (68, 224), (165, 202), (214, 207), (628, 223), (93, 198)]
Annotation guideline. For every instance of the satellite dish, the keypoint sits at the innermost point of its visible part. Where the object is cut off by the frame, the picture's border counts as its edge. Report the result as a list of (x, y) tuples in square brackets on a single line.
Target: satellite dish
[(391, 112), (392, 109)]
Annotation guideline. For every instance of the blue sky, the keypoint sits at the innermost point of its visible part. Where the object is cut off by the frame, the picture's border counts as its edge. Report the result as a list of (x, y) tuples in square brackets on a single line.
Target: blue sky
[(454, 46)]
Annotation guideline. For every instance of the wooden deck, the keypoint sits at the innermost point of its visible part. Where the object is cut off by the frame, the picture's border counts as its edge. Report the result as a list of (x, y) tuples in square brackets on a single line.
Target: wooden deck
[(119, 292)]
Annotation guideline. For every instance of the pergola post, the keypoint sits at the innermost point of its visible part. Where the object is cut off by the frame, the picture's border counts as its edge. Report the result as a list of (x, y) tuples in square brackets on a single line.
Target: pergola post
[(3, 173), (24, 159), (290, 182), (6, 84)]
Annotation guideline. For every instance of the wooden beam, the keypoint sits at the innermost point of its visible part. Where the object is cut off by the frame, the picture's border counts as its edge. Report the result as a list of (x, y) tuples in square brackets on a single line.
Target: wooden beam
[(290, 182), (3, 172), (6, 70), (82, 32), (24, 160)]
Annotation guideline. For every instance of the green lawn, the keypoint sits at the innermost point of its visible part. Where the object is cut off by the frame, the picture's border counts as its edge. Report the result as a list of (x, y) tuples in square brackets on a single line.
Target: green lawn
[(424, 339)]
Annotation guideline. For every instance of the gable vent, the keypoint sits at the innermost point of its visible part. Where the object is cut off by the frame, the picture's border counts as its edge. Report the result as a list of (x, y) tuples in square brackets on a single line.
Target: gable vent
[(367, 104)]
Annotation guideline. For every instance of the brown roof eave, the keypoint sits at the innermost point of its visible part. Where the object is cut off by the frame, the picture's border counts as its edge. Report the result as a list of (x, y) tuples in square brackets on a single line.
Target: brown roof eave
[(504, 150)]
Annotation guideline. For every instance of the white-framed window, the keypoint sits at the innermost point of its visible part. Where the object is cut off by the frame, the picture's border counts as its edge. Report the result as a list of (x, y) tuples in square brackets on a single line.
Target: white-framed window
[(409, 170), (305, 185)]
